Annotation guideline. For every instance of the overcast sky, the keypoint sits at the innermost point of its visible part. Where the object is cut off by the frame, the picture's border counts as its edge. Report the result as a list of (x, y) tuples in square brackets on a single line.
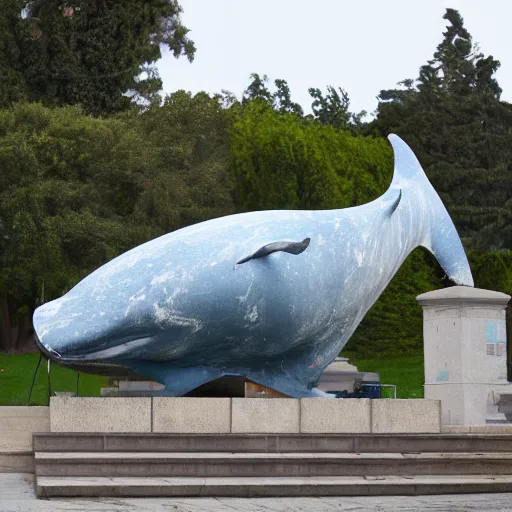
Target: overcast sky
[(362, 46)]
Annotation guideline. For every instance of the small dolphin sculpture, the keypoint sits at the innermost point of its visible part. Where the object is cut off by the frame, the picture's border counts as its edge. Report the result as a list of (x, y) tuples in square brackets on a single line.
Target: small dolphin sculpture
[(272, 296)]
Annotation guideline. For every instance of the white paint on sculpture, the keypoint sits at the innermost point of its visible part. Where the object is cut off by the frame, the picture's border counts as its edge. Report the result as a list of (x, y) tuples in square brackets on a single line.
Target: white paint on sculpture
[(272, 296)]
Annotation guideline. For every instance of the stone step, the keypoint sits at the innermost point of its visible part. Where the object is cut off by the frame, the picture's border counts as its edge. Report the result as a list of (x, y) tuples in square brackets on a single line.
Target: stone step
[(273, 443), (50, 487), (175, 464), (18, 461)]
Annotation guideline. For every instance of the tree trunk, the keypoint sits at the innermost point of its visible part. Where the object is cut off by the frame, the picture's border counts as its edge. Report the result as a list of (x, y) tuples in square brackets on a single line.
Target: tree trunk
[(6, 341), (16, 330), (25, 342)]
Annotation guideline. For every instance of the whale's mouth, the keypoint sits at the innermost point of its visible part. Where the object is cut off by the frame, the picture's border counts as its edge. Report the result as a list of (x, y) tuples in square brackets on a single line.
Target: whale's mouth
[(47, 351), (119, 350)]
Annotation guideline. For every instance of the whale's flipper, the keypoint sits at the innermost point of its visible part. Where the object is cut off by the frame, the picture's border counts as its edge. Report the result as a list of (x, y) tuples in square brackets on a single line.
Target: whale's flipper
[(395, 204), (289, 247)]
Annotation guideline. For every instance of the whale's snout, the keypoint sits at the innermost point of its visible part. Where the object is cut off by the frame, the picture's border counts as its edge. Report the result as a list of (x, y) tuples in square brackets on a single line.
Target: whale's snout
[(65, 334), (60, 330), (67, 331)]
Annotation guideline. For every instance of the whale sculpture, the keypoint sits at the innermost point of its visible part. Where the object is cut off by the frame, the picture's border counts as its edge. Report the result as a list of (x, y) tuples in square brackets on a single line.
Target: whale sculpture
[(272, 296)]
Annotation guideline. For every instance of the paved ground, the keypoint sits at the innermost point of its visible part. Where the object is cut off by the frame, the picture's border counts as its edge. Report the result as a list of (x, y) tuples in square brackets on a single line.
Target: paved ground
[(17, 495)]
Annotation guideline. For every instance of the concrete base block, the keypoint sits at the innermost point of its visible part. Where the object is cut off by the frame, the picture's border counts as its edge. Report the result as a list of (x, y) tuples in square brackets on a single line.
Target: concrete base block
[(192, 415), (78, 414), (17, 462), (406, 416), (189, 415), (17, 424), (335, 416), (265, 415)]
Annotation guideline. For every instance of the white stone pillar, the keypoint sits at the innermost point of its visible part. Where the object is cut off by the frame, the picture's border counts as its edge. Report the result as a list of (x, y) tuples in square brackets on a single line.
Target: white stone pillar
[(464, 335)]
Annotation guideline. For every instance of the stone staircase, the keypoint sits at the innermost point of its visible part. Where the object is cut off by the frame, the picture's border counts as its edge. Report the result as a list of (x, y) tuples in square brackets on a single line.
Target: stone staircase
[(257, 465)]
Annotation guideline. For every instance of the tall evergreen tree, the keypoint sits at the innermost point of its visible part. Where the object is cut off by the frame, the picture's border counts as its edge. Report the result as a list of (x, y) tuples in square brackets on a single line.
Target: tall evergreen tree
[(96, 53), (12, 81), (453, 118)]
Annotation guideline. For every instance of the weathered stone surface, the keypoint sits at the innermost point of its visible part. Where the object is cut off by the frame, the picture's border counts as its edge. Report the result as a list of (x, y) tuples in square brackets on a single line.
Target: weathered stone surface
[(17, 424), (192, 415), (105, 414), (464, 334), (455, 429), (17, 462), (462, 295), (453, 404), (406, 416), (491, 429), (17, 494), (334, 415), (265, 415)]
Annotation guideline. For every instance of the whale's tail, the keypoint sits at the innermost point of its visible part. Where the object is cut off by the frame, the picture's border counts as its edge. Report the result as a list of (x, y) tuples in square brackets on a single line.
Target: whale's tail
[(438, 231)]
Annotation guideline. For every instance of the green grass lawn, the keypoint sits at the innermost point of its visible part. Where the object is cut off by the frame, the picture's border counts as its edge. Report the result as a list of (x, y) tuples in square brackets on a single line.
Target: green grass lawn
[(407, 373), (17, 371)]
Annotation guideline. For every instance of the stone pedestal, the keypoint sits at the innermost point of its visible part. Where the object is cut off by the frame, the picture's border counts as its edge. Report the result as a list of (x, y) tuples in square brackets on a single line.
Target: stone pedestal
[(188, 415), (464, 334)]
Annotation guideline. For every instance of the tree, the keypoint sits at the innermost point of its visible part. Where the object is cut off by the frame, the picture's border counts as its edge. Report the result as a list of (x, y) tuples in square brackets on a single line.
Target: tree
[(333, 109), (13, 86), (282, 99), (257, 89), (454, 120), (94, 53), (76, 191), (464, 69), (284, 161), (68, 183), (189, 180)]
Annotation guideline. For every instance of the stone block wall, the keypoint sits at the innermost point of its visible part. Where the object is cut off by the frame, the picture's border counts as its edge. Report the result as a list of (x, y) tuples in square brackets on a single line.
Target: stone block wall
[(17, 424), (244, 415)]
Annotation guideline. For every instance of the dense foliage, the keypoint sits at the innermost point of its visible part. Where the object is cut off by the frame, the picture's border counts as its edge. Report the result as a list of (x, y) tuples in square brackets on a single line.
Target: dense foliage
[(99, 54), (454, 120), (86, 175), (76, 191), (284, 161)]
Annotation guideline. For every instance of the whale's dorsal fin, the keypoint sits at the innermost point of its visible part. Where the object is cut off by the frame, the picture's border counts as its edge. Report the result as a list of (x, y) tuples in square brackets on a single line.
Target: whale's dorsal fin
[(395, 204), (289, 247)]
